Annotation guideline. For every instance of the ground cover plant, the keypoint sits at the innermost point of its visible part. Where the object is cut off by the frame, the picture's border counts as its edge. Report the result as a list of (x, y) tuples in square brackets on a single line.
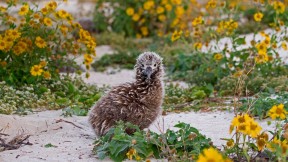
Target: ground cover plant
[(118, 145), (70, 93)]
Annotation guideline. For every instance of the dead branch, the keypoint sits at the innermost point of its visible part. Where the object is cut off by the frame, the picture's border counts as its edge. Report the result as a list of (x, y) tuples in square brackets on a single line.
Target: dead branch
[(15, 143), (4, 134), (61, 120)]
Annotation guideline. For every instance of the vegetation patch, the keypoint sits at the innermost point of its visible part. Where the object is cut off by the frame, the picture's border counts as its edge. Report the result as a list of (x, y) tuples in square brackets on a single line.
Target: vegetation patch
[(70, 94), (183, 144)]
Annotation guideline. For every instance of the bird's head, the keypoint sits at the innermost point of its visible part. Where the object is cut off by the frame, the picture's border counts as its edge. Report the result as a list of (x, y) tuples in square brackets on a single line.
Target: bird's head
[(149, 66)]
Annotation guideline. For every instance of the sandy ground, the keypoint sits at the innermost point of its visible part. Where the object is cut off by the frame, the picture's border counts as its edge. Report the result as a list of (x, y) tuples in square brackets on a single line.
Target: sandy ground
[(75, 144)]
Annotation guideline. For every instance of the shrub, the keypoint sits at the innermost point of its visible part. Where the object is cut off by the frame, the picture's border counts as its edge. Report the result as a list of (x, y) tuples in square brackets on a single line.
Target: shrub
[(36, 43), (142, 18), (251, 85), (184, 144)]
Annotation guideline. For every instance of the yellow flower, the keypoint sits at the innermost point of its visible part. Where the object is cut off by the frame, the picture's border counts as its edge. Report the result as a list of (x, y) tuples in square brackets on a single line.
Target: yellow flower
[(87, 59), (277, 111), (136, 17), (3, 9), (129, 11), (176, 35), (176, 2), (36, 70), (279, 7), (230, 143), (254, 129), (275, 142), (43, 63), (243, 128), (197, 45), (162, 18), (144, 31), (278, 143), (138, 158), (262, 57), (46, 75), (227, 26), (19, 48), (47, 21), (138, 36), (261, 143), (24, 9), (40, 42), (218, 56), (246, 125), (160, 10), (197, 20), (36, 16), (63, 29), (284, 147), (62, 14), (3, 63), (168, 7), (12, 33), (131, 153), (258, 16), (211, 4), (2, 44), (148, 5), (175, 22), (210, 155), (266, 41), (284, 46), (51, 6), (240, 119), (179, 11), (44, 11), (262, 48), (238, 74)]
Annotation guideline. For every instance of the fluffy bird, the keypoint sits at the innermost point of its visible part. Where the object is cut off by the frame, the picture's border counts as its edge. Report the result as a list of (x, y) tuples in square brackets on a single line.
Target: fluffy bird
[(138, 102)]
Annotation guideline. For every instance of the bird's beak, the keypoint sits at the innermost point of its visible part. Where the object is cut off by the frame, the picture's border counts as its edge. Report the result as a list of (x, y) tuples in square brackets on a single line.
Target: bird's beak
[(147, 72)]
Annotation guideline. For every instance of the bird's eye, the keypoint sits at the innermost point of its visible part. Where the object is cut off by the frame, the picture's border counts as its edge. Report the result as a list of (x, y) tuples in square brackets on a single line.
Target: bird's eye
[(142, 65), (154, 65)]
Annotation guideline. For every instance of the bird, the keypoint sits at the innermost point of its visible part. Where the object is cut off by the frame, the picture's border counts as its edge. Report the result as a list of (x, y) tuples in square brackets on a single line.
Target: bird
[(138, 102)]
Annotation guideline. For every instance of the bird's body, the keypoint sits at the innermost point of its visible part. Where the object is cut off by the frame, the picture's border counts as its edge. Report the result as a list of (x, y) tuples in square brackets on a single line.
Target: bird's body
[(138, 103)]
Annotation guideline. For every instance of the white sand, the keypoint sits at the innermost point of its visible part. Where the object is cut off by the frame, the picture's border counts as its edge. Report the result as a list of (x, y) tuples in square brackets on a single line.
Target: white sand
[(75, 144)]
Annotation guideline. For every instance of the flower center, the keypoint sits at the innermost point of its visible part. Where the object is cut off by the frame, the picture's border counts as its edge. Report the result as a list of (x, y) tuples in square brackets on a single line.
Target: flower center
[(279, 111)]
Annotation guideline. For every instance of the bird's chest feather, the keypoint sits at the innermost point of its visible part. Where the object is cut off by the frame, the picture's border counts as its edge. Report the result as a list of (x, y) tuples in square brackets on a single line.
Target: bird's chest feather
[(152, 96)]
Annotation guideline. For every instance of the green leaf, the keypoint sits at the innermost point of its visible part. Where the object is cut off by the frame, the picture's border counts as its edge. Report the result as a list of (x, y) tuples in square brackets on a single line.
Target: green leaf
[(240, 41), (101, 154), (62, 101), (71, 88), (49, 145), (116, 147)]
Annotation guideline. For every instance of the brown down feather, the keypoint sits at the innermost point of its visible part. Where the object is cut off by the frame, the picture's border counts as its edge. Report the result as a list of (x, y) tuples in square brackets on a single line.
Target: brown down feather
[(138, 102)]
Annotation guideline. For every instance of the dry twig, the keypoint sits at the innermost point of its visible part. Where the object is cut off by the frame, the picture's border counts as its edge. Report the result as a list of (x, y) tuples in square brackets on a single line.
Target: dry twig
[(61, 120), (15, 143)]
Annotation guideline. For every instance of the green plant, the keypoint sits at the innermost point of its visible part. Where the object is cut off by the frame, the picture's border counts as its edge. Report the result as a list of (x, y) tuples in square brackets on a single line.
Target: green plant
[(181, 99), (182, 144), (252, 85), (263, 103), (38, 42), (70, 93)]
